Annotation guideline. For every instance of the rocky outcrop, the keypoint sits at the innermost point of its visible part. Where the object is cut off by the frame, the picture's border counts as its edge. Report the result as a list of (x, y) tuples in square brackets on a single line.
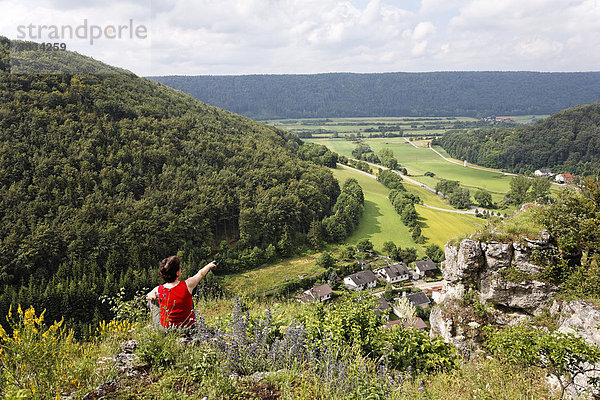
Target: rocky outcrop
[(502, 273), (490, 282), (501, 284), (578, 317)]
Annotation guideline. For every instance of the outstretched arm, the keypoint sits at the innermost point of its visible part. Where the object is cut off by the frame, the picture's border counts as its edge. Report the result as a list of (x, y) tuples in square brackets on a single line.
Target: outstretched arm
[(153, 294), (193, 281)]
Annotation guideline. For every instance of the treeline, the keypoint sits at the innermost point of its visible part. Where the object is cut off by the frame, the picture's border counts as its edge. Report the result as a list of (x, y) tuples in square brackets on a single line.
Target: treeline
[(458, 196), (403, 202), (319, 154), (568, 141), (346, 212), (102, 175), (474, 94), (363, 152)]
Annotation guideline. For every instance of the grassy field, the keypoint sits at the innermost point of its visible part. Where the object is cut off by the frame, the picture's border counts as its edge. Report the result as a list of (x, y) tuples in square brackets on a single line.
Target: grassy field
[(420, 160), (263, 279), (380, 222), (440, 226)]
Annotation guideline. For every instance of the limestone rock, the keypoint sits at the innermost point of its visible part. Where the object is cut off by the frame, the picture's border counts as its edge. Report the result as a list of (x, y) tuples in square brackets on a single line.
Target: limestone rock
[(498, 255), (580, 317), (522, 255), (528, 295), (462, 263)]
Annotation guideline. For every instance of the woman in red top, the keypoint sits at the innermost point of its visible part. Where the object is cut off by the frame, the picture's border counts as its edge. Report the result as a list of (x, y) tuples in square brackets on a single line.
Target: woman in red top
[(174, 296)]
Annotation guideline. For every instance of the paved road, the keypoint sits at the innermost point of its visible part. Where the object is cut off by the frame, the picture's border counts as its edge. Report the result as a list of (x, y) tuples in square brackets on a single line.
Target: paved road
[(473, 210), (421, 284), (457, 162)]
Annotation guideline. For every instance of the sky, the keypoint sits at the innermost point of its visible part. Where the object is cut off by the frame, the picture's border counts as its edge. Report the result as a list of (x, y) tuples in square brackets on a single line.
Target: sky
[(225, 37)]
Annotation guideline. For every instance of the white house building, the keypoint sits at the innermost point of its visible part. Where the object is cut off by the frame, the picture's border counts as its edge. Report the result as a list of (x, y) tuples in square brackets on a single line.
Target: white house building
[(425, 267), (395, 273), (545, 172), (361, 280), (316, 294)]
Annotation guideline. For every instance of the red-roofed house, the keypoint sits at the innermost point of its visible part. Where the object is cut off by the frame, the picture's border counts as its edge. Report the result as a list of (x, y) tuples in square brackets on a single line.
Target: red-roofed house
[(564, 178)]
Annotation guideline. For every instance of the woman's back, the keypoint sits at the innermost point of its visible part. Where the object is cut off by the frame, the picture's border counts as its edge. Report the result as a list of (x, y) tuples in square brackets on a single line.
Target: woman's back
[(176, 305)]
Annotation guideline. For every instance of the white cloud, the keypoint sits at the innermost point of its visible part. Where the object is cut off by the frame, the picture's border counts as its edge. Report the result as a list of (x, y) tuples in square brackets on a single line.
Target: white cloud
[(423, 30), (307, 36), (538, 48), (419, 48)]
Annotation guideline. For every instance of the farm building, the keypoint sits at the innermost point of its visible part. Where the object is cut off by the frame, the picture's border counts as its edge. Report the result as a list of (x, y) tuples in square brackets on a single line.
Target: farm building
[(419, 299), (425, 267), (545, 172), (564, 178)]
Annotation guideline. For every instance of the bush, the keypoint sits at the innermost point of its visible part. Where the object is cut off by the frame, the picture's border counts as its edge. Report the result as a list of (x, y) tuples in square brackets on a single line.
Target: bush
[(35, 360), (326, 260), (364, 245)]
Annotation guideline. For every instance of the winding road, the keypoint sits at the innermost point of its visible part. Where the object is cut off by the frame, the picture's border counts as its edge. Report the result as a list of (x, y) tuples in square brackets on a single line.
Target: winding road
[(471, 211)]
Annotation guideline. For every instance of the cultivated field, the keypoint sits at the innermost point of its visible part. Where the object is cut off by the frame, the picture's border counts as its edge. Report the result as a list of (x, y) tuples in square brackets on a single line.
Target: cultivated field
[(418, 160)]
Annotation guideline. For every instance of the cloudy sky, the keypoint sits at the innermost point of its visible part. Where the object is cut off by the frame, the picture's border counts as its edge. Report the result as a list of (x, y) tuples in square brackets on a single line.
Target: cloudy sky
[(194, 37)]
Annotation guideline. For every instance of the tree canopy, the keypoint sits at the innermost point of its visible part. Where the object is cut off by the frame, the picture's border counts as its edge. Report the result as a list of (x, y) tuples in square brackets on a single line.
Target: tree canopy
[(474, 94), (104, 174), (567, 141)]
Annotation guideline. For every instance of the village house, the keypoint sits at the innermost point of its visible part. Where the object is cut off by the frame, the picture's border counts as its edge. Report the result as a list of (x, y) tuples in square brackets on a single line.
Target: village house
[(316, 294), (545, 172), (564, 178), (419, 299), (382, 307), (395, 273), (425, 268), (361, 280)]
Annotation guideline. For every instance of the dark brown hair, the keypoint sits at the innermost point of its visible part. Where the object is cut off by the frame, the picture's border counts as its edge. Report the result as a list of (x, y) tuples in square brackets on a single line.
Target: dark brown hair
[(168, 268)]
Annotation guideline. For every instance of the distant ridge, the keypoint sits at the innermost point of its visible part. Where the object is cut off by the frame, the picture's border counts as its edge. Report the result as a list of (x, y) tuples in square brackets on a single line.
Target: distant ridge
[(475, 94), (567, 141)]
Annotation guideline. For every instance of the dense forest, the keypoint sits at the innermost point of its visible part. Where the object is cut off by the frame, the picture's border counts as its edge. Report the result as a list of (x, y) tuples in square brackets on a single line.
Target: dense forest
[(567, 141), (475, 94), (103, 174)]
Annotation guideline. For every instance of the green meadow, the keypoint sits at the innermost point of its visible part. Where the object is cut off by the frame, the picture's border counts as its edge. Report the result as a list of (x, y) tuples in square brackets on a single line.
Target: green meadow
[(440, 226), (268, 277), (417, 161), (380, 222)]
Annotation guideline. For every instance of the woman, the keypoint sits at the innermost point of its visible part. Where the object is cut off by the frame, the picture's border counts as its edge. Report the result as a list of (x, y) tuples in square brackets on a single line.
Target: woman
[(174, 296)]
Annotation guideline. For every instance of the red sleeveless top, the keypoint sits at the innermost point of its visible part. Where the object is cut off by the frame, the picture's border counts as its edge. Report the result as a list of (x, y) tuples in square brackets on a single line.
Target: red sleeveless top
[(176, 306)]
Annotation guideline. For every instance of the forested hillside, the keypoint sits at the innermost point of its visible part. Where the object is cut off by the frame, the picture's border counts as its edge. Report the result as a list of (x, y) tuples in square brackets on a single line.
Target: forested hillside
[(474, 94), (567, 141), (104, 174)]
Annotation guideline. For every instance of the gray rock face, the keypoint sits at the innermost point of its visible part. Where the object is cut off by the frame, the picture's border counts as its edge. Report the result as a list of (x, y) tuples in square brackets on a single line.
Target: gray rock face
[(579, 317), (464, 262), (504, 276), (497, 255), (527, 296), (485, 267), (480, 264)]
